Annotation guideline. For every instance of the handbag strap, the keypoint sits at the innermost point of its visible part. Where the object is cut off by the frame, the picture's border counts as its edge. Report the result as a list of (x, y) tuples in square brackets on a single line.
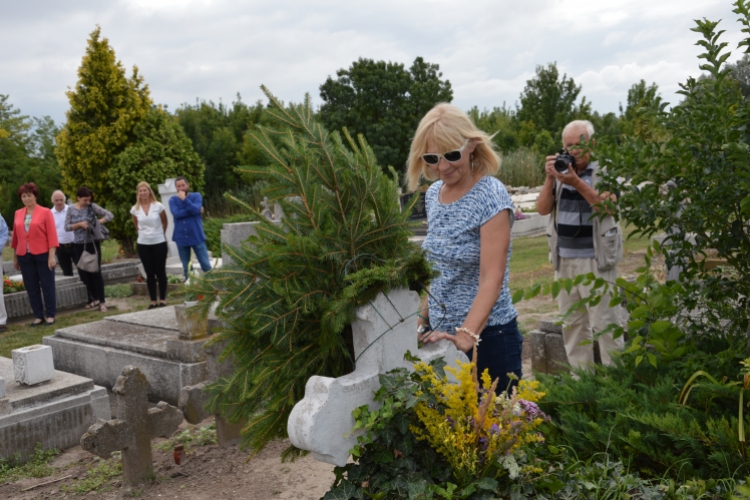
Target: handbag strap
[(93, 242)]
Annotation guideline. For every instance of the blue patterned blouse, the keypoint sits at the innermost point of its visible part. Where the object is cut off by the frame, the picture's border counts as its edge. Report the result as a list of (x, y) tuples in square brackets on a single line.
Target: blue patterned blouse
[(452, 246)]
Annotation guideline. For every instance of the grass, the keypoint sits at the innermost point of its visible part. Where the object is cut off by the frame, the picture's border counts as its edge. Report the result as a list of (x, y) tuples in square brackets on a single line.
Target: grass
[(191, 437), (13, 469), (110, 250), (119, 291), (22, 335), (97, 477)]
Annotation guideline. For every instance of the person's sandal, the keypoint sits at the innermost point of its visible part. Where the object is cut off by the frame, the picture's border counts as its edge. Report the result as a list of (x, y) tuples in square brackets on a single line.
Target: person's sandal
[(102, 308), (152, 306), (92, 305)]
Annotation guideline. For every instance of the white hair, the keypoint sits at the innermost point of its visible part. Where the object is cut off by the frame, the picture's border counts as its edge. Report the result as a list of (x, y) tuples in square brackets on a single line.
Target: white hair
[(587, 125), (55, 192)]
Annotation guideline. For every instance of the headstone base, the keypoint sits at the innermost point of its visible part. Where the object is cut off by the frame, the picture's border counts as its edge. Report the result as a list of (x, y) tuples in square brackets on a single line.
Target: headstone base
[(55, 414)]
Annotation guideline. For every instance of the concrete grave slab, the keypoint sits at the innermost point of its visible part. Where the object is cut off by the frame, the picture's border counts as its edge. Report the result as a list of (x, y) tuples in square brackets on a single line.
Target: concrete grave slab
[(2, 388), (55, 413), (148, 340), (33, 364)]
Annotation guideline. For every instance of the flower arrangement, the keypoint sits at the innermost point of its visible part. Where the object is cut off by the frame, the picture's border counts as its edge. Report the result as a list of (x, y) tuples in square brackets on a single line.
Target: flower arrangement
[(433, 438), (480, 434), (10, 286)]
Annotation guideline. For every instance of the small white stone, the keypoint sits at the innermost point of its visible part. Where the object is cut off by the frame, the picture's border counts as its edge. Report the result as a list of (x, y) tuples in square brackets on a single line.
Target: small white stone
[(2, 387), (33, 364)]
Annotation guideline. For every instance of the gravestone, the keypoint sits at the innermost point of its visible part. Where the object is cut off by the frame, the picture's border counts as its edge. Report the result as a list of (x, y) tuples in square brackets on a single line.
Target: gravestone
[(166, 191), (548, 348), (193, 398), (148, 339), (54, 414), (33, 364), (383, 332), (233, 236), (131, 432)]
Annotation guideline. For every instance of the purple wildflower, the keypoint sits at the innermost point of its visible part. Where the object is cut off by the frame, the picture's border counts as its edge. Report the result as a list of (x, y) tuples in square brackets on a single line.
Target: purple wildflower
[(494, 429), (450, 421), (531, 410)]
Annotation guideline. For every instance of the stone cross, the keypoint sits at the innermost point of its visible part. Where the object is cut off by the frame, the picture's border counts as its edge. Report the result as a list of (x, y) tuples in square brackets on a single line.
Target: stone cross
[(322, 422), (134, 427)]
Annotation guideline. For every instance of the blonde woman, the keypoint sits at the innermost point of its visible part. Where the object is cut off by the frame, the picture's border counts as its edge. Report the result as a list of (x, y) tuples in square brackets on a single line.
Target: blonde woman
[(469, 217), (150, 221)]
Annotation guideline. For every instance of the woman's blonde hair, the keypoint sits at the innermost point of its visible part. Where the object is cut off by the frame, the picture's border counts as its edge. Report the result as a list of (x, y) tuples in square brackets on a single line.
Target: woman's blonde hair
[(138, 200), (449, 128)]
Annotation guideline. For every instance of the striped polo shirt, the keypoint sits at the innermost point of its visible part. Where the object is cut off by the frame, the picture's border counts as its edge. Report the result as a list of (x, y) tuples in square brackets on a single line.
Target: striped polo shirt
[(575, 226)]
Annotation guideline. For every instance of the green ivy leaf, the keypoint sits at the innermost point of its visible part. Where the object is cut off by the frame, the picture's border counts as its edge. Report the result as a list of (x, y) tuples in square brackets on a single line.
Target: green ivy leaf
[(659, 326), (518, 296), (638, 360), (555, 289), (343, 491), (652, 359)]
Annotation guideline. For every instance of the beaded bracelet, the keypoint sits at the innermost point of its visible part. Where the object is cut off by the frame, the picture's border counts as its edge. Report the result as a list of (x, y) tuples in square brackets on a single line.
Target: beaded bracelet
[(471, 334)]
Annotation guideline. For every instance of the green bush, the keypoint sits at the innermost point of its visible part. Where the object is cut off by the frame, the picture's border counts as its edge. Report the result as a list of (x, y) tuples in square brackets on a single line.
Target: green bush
[(522, 167), (13, 469)]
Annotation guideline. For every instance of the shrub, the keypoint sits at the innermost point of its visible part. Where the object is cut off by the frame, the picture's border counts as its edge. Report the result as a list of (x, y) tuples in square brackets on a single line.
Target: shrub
[(522, 167)]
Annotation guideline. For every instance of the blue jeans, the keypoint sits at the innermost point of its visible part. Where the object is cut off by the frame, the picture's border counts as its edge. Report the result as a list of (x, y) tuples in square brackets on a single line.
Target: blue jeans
[(500, 352), (39, 280), (201, 252)]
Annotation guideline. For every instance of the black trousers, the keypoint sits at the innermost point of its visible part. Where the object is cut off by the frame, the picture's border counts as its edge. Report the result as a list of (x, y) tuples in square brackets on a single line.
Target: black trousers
[(39, 280), (154, 260), (65, 258), (93, 281)]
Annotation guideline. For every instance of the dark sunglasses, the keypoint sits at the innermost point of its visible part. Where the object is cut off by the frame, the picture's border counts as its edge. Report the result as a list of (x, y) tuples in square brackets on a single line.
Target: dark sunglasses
[(450, 156)]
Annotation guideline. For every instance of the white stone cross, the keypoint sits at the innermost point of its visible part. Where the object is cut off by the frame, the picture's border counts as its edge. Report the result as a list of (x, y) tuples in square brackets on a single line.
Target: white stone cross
[(134, 427), (322, 422)]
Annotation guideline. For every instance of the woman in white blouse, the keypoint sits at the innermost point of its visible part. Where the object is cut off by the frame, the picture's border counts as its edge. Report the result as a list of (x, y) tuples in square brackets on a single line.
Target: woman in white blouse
[(150, 221)]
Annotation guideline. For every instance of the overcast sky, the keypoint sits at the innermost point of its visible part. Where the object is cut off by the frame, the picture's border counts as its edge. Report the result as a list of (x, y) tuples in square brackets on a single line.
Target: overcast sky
[(213, 49)]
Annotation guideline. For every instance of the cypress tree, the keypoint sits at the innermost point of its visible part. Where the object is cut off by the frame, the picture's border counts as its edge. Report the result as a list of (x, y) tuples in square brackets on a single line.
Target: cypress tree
[(159, 150), (288, 303), (105, 107)]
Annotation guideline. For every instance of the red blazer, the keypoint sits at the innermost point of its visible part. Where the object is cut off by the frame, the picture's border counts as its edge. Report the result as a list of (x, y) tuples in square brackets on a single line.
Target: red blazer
[(42, 232)]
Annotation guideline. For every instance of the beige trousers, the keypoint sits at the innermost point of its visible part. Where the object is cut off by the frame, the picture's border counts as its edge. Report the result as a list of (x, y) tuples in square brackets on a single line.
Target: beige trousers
[(581, 324)]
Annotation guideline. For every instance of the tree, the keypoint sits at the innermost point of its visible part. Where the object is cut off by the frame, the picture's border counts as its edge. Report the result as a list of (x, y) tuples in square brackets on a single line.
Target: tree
[(26, 154), (288, 304), (159, 150), (635, 120), (548, 102), (499, 123), (218, 136), (384, 102), (105, 107), (740, 71)]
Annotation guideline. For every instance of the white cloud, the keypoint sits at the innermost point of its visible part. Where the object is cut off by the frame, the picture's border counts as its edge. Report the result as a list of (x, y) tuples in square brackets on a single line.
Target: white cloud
[(213, 49)]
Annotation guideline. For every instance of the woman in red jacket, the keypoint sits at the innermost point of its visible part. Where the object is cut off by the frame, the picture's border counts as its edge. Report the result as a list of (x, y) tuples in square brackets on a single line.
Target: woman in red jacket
[(34, 242)]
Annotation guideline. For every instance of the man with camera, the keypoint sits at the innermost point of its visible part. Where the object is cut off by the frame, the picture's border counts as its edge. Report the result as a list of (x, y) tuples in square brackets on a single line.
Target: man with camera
[(581, 240)]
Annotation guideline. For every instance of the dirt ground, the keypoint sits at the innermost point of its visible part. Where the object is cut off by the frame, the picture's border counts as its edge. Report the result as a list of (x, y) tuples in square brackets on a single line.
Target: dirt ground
[(208, 472)]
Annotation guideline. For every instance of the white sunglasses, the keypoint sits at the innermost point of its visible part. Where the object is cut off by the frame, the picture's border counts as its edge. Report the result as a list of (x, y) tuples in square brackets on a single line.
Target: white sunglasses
[(450, 156)]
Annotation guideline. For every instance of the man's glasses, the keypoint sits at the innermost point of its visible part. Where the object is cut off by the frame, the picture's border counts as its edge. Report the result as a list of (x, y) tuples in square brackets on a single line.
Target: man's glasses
[(450, 156)]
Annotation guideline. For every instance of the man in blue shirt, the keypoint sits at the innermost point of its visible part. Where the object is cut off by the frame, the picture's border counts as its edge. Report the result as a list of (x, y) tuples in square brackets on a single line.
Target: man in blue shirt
[(187, 208)]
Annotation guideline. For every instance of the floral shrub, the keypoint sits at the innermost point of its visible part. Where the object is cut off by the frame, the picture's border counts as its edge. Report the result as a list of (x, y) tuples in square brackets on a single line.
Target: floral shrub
[(10, 286)]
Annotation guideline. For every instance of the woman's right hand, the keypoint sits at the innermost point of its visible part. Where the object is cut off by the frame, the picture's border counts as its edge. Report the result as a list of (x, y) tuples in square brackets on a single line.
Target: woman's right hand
[(83, 224), (16, 265)]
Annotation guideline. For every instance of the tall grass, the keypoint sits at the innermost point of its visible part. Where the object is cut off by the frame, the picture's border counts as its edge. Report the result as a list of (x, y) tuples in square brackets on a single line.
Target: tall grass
[(522, 167)]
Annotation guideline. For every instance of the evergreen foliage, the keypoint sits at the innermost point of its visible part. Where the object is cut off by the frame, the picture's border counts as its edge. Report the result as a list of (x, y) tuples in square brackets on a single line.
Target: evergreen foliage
[(158, 150), (105, 107), (26, 154), (219, 134), (291, 297), (384, 102), (548, 103)]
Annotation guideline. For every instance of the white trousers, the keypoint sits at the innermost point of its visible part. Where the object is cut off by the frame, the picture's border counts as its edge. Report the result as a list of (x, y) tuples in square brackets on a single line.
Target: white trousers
[(581, 324)]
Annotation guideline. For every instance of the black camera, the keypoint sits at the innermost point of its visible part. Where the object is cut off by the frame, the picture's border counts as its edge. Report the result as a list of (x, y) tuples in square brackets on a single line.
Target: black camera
[(565, 161)]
